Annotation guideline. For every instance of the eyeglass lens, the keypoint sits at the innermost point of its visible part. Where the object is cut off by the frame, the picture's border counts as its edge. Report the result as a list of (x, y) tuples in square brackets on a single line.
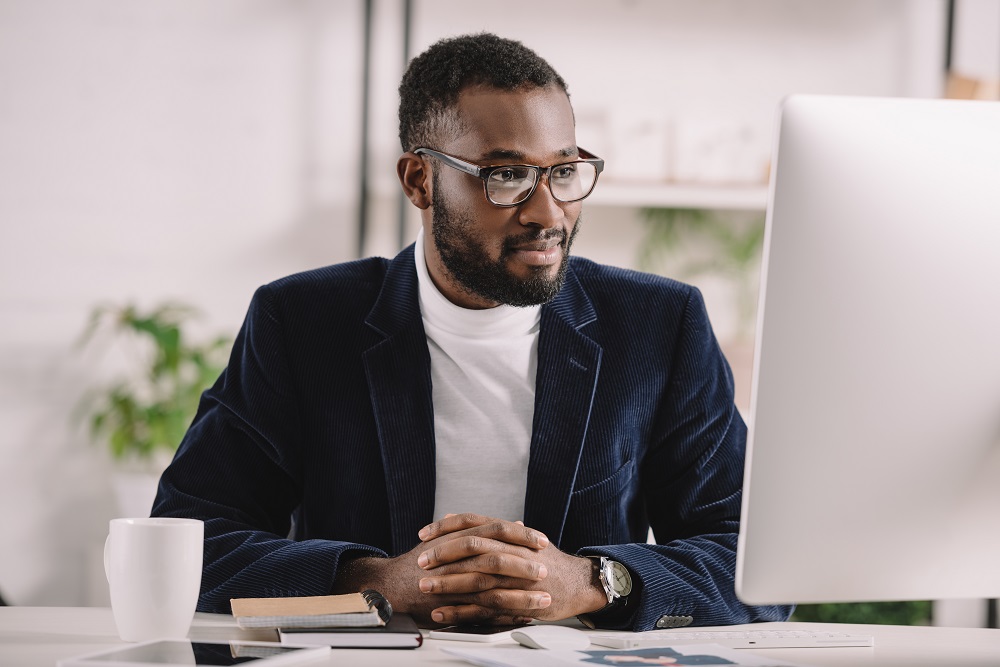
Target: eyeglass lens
[(568, 182)]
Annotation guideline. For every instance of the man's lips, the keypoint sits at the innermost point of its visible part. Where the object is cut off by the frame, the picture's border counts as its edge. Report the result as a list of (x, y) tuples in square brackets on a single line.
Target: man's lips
[(539, 246), (539, 253)]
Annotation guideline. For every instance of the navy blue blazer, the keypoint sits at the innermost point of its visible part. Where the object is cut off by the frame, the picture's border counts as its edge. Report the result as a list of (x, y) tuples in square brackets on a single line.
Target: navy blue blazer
[(318, 439)]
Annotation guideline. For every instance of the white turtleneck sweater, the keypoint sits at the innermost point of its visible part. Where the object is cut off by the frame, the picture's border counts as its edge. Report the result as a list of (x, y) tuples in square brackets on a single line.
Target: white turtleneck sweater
[(483, 365)]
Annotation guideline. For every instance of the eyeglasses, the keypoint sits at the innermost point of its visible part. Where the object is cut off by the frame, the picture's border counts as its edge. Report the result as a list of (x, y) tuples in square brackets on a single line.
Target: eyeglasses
[(513, 184)]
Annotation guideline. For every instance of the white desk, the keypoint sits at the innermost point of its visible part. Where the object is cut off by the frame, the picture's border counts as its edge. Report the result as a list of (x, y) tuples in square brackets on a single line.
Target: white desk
[(39, 636)]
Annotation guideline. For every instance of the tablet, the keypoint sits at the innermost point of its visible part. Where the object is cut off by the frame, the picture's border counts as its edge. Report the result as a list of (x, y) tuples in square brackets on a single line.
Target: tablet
[(187, 653), (475, 633)]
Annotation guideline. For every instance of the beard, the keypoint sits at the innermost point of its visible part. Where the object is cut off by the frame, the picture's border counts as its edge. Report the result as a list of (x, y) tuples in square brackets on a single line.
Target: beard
[(477, 274)]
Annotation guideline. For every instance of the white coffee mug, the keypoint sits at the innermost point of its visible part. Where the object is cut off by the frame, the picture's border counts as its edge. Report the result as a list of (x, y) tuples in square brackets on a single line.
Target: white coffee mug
[(154, 572)]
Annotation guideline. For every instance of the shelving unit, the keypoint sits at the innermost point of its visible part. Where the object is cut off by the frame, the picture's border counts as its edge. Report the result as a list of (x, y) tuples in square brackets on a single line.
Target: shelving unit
[(715, 197)]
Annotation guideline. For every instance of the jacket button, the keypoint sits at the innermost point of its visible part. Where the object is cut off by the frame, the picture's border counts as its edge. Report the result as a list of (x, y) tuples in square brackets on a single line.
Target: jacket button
[(674, 621)]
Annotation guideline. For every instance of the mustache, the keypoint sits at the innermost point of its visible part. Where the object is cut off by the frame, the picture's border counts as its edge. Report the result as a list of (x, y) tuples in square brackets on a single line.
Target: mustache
[(539, 236)]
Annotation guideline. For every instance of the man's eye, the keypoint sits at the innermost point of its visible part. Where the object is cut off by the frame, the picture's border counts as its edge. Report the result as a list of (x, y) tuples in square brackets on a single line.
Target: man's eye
[(565, 172), (512, 176)]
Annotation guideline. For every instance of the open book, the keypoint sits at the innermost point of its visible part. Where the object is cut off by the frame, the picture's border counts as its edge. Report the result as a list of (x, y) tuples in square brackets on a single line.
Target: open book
[(352, 610)]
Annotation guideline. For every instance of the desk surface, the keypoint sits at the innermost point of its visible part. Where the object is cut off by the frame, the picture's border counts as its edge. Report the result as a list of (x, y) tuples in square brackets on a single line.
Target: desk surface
[(39, 636)]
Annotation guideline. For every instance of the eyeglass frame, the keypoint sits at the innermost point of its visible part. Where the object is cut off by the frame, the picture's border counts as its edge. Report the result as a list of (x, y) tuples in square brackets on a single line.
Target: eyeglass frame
[(483, 173)]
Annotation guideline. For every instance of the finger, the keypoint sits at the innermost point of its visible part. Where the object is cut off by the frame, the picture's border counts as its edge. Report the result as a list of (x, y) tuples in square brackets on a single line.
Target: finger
[(498, 557), (469, 546), (505, 599), (481, 615), (448, 616), (468, 582), (511, 565), (451, 523), (511, 532)]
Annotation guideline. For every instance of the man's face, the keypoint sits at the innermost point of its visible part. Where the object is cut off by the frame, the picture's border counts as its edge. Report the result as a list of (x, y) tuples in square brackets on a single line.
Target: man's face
[(484, 255)]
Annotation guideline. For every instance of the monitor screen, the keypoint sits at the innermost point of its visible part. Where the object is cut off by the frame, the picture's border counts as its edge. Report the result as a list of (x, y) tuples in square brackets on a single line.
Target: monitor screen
[(873, 462)]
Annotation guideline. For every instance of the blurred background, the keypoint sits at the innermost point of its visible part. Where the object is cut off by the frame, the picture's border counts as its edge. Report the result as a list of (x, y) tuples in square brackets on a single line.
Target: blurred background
[(185, 152)]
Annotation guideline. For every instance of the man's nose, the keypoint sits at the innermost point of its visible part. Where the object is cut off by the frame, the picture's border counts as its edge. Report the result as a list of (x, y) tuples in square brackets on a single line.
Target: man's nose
[(541, 209)]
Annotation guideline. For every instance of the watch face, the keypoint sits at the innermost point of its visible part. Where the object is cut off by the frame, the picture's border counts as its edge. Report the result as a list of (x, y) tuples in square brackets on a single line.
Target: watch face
[(621, 580)]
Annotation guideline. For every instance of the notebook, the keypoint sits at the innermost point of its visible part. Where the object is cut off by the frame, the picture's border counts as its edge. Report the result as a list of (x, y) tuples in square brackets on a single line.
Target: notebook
[(351, 610), (400, 632)]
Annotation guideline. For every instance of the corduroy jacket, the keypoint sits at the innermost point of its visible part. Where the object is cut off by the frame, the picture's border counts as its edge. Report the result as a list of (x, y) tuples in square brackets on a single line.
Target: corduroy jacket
[(317, 441)]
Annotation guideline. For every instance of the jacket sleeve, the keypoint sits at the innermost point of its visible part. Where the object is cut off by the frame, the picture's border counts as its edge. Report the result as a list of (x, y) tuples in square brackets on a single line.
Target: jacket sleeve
[(691, 479), (239, 470)]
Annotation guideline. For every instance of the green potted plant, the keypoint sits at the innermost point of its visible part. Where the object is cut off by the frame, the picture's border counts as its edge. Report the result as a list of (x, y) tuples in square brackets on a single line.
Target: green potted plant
[(143, 416), (687, 243), (706, 247)]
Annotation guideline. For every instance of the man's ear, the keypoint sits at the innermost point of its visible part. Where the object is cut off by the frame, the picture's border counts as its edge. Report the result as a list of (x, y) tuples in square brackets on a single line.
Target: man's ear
[(415, 178)]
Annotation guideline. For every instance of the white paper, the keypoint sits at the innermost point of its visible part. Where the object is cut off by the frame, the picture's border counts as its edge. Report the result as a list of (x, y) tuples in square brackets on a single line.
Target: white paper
[(689, 654)]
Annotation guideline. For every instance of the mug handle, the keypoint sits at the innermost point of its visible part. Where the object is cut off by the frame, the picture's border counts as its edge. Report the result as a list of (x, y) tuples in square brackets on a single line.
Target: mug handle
[(107, 565)]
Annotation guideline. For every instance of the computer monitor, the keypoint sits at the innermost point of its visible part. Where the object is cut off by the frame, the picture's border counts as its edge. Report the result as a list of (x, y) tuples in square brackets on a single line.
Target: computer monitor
[(873, 461)]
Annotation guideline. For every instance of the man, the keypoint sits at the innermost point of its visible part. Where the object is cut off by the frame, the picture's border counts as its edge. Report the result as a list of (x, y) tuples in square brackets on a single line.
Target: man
[(482, 429)]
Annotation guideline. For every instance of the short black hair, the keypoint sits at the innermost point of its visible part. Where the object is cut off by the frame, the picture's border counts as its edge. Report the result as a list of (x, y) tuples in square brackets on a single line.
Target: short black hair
[(434, 79)]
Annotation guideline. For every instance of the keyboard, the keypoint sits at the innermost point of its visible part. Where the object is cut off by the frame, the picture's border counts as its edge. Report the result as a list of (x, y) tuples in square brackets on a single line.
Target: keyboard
[(732, 639)]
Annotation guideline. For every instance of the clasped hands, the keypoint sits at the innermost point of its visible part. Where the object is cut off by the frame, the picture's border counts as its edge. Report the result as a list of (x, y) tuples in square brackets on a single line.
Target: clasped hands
[(471, 569)]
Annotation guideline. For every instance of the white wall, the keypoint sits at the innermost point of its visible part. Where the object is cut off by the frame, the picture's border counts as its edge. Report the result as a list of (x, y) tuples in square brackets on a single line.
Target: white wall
[(684, 65), (977, 45), (194, 150), (148, 150)]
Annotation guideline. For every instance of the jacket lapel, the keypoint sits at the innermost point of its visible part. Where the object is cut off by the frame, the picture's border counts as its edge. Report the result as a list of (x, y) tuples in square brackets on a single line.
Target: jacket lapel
[(568, 366), (399, 384)]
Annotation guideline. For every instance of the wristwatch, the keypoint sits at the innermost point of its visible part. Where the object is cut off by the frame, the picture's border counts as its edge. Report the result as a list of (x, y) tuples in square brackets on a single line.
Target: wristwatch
[(617, 584), (615, 579)]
